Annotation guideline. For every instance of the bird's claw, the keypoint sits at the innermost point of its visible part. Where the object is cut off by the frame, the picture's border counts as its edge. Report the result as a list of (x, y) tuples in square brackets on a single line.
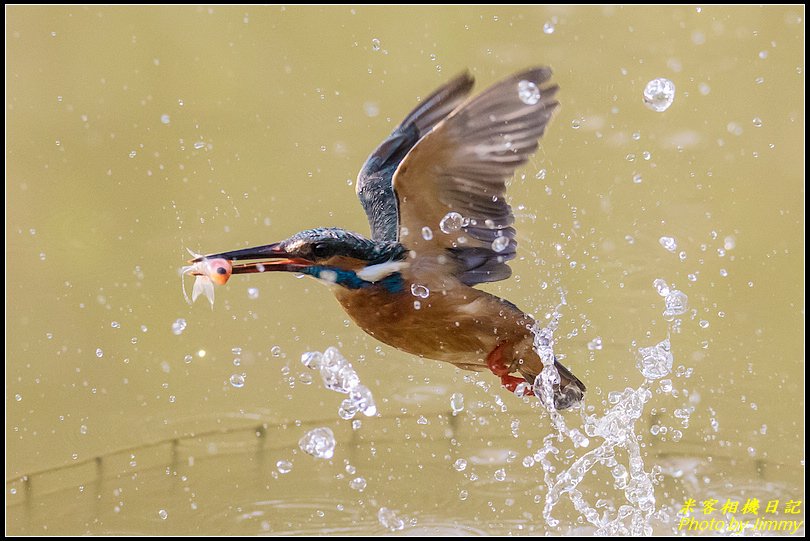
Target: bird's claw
[(501, 369), (510, 383)]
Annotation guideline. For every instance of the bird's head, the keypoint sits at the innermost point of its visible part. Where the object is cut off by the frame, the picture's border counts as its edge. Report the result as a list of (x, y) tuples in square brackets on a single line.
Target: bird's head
[(332, 255)]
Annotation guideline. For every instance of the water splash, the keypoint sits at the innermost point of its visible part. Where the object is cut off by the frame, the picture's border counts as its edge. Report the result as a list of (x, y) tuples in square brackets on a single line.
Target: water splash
[(452, 221), (659, 94), (318, 442), (613, 431), (389, 519), (338, 375), (528, 92)]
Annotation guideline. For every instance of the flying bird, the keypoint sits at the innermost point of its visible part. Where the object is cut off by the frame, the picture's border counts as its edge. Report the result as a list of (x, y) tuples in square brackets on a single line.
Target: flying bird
[(434, 194)]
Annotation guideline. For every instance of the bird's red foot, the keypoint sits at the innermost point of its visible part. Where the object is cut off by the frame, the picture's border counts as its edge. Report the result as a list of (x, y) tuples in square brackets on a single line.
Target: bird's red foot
[(498, 367)]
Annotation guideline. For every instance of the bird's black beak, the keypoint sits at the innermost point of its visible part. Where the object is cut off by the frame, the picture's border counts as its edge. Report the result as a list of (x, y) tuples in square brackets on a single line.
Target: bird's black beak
[(270, 257)]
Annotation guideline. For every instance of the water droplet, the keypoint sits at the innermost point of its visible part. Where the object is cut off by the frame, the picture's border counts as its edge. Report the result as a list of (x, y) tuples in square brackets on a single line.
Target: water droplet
[(375, 44), (371, 109), (659, 94), (541, 174), (165, 119), (500, 244), (661, 286), (675, 303), (595, 344), (18, 397), (179, 326), (427, 233), (253, 293), (132, 153), (284, 466), (421, 420), (115, 325), (703, 324), (637, 179), (576, 123), (757, 122), (99, 353), (199, 144), (528, 92), (668, 243), (457, 403), (388, 519), (238, 380), (187, 359), (163, 514), (460, 464), (655, 362), (528, 461), (500, 475), (418, 290), (452, 221), (312, 359), (358, 483), (548, 27), (275, 351), (318, 442)]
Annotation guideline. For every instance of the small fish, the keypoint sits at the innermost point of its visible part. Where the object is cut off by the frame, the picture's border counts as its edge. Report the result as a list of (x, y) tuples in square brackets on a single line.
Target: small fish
[(208, 272)]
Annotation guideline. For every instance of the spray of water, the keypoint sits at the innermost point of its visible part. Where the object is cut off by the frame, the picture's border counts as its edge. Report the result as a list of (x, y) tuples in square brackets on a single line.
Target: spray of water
[(609, 438)]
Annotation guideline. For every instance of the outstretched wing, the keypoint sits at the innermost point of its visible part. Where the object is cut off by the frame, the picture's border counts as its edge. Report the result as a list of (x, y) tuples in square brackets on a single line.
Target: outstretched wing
[(461, 167), (375, 178)]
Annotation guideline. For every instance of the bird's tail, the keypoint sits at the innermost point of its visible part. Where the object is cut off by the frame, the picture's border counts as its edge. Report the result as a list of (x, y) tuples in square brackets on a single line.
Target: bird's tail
[(569, 391)]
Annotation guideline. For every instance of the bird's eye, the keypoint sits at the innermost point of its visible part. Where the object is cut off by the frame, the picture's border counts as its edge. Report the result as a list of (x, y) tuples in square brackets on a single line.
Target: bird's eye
[(320, 250), (222, 270)]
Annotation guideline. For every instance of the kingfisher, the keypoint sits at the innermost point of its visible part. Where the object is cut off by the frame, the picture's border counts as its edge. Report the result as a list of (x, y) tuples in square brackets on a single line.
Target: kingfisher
[(434, 194)]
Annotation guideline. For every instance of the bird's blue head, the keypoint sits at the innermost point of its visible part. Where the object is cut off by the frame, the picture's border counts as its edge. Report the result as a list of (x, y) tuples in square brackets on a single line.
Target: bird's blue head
[(332, 255)]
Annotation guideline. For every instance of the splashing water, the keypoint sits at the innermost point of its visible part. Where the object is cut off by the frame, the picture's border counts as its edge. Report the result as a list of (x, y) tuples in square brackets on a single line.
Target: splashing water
[(613, 431), (338, 375), (389, 519), (528, 92), (318, 442), (655, 362), (659, 94)]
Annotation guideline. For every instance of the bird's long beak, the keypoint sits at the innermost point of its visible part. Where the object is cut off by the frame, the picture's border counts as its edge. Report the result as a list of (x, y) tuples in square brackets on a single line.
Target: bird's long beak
[(269, 257)]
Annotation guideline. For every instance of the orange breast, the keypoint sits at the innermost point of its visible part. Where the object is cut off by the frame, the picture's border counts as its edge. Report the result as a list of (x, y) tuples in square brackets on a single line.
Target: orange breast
[(460, 325)]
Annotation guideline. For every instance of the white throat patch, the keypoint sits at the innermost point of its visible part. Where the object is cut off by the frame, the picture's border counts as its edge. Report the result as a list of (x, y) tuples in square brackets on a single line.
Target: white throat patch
[(375, 273)]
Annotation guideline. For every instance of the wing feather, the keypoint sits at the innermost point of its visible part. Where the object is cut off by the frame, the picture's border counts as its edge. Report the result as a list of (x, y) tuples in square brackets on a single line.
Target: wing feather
[(374, 183), (462, 166)]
